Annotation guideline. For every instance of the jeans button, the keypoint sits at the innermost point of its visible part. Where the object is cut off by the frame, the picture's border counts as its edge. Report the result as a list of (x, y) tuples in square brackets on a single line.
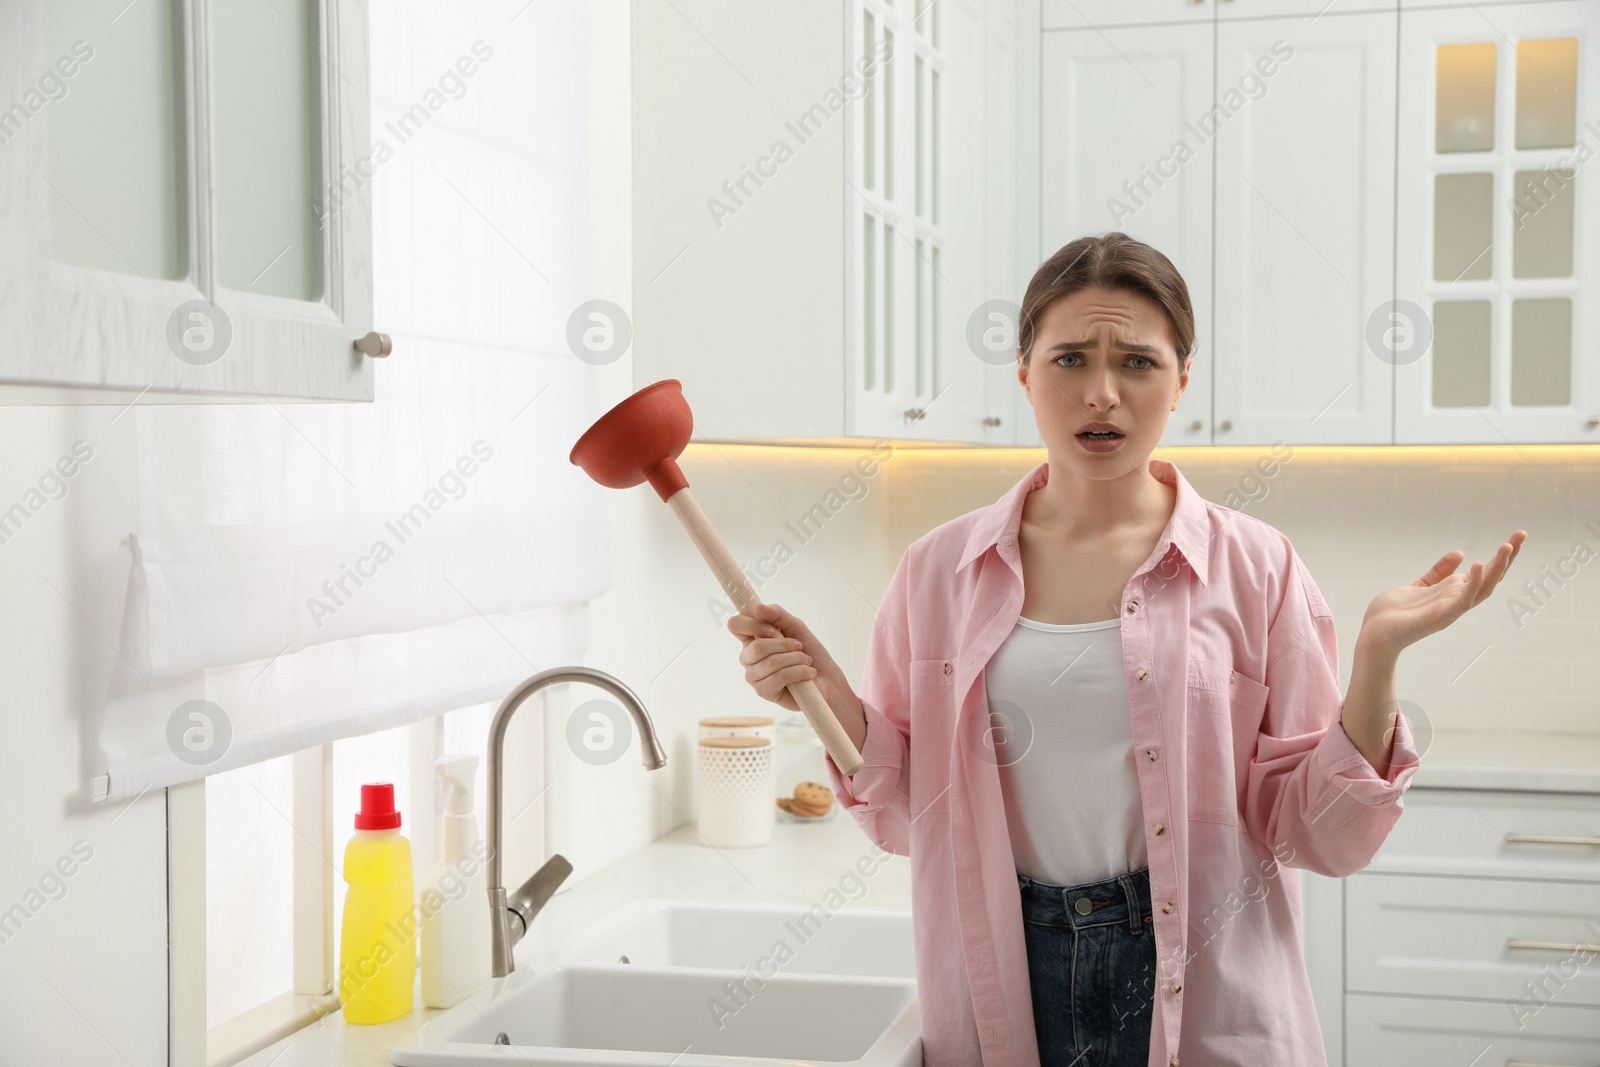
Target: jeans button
[(1083, 907)]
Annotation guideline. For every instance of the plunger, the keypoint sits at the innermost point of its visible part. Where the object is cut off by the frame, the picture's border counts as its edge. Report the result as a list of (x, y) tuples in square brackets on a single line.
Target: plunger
[(640, 440)]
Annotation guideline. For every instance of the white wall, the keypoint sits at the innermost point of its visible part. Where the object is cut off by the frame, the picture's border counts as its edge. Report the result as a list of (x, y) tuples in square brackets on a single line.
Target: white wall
[(83, 980)]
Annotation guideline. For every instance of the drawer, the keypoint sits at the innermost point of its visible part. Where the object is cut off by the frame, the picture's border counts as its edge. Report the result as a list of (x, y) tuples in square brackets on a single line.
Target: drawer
[(1473, 937), (1408, 1031), (1489, 834)]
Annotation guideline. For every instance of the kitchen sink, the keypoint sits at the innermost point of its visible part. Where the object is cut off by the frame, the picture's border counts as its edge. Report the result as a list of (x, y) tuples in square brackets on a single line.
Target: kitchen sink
[(693, 933), (703, 985)]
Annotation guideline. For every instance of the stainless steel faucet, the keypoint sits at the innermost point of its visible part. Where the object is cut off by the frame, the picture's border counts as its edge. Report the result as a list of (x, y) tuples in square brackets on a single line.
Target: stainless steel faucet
[(509, 919)]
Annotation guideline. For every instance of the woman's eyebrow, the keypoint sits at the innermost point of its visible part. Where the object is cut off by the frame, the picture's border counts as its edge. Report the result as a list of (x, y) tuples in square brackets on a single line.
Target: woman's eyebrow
[(1126, 346)]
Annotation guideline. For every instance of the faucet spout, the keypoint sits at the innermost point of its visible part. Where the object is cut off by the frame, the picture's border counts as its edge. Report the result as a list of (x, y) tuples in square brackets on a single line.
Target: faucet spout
[(509, 917)]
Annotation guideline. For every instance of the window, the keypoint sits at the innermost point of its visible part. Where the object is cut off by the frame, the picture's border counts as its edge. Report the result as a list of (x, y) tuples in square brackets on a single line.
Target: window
[(274, 835)]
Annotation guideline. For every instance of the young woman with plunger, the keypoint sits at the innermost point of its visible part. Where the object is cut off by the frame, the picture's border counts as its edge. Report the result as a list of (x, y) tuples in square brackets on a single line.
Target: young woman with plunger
[(1103, 717)]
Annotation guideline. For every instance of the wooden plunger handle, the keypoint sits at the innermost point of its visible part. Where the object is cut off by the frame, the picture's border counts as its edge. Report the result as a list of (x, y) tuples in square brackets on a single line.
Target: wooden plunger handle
[(737, 586)]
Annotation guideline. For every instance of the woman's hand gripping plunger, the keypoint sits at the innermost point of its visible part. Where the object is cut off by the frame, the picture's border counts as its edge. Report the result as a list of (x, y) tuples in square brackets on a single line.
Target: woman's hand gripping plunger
[(779, 650)]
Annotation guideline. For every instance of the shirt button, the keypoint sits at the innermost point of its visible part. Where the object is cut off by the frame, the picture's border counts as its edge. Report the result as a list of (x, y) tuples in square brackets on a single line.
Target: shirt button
[(1173, 1062), (1176, 986), (1133, 605), (1141, 674), (947, 668), (1167, 907), (1230, 676), (1160, 828), (1151, 753)]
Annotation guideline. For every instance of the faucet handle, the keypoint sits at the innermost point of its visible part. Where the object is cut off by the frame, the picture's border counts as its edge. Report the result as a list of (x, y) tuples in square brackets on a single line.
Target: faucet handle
[(533, 894)]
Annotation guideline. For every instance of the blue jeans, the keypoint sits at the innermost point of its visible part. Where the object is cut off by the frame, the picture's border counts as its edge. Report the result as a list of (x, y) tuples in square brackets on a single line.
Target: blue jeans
[(1092, 968)]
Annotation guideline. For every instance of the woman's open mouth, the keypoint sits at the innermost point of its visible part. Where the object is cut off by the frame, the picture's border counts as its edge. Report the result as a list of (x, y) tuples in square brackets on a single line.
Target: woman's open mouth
[(1100, 441)]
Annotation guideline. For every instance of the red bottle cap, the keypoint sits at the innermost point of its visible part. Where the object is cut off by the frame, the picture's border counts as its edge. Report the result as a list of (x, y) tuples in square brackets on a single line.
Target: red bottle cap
[(377, 807)]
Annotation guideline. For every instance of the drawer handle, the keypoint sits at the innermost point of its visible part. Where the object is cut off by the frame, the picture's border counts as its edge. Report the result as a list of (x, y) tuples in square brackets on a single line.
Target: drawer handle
[(1551, 946), (1547, 839)]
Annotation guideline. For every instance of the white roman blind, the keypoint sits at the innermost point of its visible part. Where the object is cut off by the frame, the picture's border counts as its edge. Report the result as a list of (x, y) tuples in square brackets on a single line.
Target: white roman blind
[(306, 572)]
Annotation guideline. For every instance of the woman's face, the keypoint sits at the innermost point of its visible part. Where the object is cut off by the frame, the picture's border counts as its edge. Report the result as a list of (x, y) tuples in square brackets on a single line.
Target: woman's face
[(1102, 355)]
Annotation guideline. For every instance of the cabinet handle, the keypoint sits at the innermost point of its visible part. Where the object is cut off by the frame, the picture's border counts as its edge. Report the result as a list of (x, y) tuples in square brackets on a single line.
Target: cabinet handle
[(1194, 427), (992, 420), (1225, 425), (913, 414), (1547, 839), (1551, 946), (375, 344), (1592, 421)]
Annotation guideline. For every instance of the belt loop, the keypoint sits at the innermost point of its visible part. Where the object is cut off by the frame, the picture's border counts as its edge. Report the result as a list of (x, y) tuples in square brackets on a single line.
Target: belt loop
[(1135, 916)]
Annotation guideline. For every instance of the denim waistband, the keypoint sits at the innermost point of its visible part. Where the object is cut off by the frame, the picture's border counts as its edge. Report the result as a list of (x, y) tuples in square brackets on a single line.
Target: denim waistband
[(1124, 898)]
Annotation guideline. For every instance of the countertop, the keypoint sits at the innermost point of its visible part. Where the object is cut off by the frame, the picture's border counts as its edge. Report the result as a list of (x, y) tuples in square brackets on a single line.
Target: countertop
[(800, 866), (803, 862), (1560, 763)]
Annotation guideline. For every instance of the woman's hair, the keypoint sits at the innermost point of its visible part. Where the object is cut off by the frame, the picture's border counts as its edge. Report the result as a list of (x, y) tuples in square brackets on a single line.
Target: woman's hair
[(1110, 261)]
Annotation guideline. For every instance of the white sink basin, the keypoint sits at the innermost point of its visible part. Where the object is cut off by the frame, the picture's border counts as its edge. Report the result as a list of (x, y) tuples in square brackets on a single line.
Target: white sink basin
[(705, 985), (693, 933)]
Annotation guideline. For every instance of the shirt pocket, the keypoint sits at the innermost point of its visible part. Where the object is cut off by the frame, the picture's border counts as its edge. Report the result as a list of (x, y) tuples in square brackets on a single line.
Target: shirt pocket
[(1225, 707), (932, 733)]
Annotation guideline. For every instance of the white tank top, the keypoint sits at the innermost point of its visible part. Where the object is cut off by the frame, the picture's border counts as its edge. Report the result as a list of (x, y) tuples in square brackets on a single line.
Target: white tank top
[(1058, 706)]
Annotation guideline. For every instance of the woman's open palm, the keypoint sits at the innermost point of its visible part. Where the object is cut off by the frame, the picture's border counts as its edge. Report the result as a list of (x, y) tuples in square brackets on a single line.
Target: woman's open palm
[(1407, 613)]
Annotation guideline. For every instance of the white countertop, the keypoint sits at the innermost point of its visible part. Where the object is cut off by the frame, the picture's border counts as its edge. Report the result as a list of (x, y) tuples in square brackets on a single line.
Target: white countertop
[(801, 864), (1562, 763)]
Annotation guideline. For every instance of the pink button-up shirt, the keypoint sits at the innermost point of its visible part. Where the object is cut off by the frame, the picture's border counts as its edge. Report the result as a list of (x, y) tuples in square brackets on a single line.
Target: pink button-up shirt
[(1244, 773)]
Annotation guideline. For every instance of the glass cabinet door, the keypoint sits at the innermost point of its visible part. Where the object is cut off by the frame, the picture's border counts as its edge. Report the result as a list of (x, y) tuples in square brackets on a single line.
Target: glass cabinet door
[(1494, 270), (170, 168)]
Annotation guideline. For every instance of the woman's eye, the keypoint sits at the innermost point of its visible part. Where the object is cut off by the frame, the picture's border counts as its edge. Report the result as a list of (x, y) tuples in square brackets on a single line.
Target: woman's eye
[(1149, 363)]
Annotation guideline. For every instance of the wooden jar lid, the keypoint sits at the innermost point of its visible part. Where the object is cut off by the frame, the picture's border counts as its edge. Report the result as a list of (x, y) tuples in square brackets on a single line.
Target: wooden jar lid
[(735, 742), (737, 721)]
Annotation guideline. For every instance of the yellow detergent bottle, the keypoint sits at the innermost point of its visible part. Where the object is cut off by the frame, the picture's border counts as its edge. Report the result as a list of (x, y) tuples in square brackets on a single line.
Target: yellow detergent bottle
[(378, 934)]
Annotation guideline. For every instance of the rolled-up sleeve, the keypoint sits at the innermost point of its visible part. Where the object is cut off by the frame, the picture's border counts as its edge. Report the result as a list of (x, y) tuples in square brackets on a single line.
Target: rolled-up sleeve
[(877, 796), (1308, 786)]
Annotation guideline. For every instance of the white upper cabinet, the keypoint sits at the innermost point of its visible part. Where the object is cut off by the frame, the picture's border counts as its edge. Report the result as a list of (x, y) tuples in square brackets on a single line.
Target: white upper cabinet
[(183, 201), (814, 194), (1125, 146), (1304, 228), (1499, 257)]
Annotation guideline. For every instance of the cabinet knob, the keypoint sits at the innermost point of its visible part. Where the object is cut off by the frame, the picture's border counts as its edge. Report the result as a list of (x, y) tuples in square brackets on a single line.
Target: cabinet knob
[(1194, 427), (913, 414), (992, 420), (1225, 425), (375, 344), (1592, 421)]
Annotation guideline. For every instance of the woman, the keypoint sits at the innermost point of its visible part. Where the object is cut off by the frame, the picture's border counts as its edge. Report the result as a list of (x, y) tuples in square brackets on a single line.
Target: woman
[(1100, 717)]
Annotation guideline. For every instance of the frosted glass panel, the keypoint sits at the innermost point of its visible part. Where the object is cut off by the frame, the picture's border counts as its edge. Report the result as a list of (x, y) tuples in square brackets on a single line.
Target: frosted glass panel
[(1460, 353), (269, 197), (888, 307), (1465, 116), (1541, 351), (1547, 92), (869, 287), (113, 136), (888, 116), (1463, 206), (869, 102), (1541, 234)]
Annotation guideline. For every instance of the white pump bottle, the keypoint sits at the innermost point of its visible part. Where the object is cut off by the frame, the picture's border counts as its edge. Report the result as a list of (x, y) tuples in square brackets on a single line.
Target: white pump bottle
[(454, 902)]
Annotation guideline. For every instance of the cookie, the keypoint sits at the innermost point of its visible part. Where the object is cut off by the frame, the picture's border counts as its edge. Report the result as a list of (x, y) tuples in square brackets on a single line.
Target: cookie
[(813, 794), (800, 808)]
